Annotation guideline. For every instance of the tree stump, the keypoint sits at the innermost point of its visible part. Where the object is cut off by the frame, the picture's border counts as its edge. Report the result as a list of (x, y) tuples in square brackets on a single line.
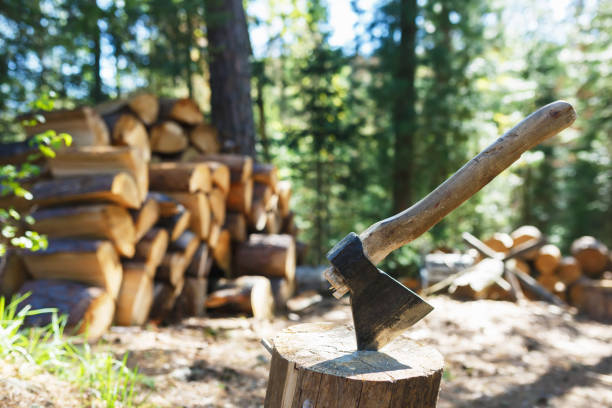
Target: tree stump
[(316, 365)]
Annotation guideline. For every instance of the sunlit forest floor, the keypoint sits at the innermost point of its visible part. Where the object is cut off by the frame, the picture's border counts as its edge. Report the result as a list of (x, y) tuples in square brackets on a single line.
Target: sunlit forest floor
[(497, 354)]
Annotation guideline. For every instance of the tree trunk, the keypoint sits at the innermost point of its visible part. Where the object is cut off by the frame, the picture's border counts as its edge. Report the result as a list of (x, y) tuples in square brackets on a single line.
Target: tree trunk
[(230, 74)]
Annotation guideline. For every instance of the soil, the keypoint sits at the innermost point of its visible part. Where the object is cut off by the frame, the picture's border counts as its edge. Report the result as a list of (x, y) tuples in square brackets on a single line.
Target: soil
[(497, 354)]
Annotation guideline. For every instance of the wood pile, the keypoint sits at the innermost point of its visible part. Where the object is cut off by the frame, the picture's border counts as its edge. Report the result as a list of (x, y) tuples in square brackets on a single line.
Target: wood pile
[(147, 219)]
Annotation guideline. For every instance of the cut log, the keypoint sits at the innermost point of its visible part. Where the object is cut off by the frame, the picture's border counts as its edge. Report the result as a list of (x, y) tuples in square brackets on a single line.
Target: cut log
[(172, 268), (145, 217), (176, 224), (479, 280), (220, 175), (216, 199), (547, 259), (200, 264), (214, 234), (187, 243), (266, 255), (139, 264), (164, 297), (127, 130), (167, 205), (99, 160), (576, 292), (500, 242), (89, 309), (569, 270), (266, 174), (93, 263), (152, 247), (222, 252), (115, 188), (548, 282), (198, 206), (289, 226), (84, 125), (524, 234), (257, 217), (282, 290), (104, 221), (235, 223), (241, 167), (283, 189), (597, 302), (183, 110), (182, 177), (311, 278), (13, 274), (144, 105), (307, 372), (261, 196), (205, 138), (240, 197), (274, 222), (249, 294), (192, 300), (591, 254), (135, 297), (168, 138)]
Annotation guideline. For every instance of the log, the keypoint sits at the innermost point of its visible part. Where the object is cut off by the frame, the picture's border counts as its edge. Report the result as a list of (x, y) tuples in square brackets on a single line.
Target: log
[(89, 309), (235, 223), (311, 278), (183, 110), (192, 300), (214, 234), (13, 274), (206, 138), (102, 221), (500, 242), (548, 259), (139, 264), (181, 177), (198, 206), (301, 251), (98, 160), (569, 270), (187, 243), (288, 225), (240, 197), (249, 294), (549, 282), (176, 224), (144, 105), (94, 263), (591, 254), (216, 199), (222, 252), (282, 290), (267, 255), (145, 217), (84, 125), (283, 189), (274, 222), (164, 297), (201, 263), (266, 174), (306, 372), (172, 268), (127, 130), (135, 297), (168, 138), (524, 234), (531, 286), (479, 280), (261, 196), (220, 175), (167, 205), (576, 292), (152, 247), (241, 167), (597, 302)]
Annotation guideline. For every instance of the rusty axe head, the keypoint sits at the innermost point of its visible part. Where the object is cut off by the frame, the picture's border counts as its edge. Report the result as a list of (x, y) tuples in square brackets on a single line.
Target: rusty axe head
[(382, 307)]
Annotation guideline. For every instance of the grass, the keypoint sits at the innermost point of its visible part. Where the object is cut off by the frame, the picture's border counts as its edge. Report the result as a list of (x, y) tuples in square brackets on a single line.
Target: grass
[(99, 375)]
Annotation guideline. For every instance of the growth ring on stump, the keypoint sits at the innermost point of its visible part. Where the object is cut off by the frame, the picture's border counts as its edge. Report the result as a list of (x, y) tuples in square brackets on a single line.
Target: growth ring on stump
[(317, 365)]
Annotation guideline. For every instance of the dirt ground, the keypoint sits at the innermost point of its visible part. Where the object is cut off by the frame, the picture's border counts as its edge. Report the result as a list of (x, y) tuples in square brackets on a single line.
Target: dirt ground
[(497, 354)]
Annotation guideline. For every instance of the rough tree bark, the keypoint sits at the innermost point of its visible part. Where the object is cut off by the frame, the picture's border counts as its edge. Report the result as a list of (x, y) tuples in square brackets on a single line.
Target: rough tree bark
[(230, 74)]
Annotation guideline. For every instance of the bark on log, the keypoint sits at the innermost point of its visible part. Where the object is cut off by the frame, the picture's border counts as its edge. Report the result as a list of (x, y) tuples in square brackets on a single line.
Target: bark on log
[(198, 206), (164, 297), (200, 264), (139, 264), (216, 199), (99, 160), (220, 174), (13, 274), (181, 177), (241, 167), (93, 263), (135, 297), (187, 243), (17, 152), (274, 222), (176, 224), (144, 105), (145, 217), (591, 254), (104, 221), (569, 270), (172, 268), (235, 223), (89, 309), (192, 300), (524, 234), (127, 130), (249, 294), (309, 278), (283, 189), (266, 174), (205, 138), (183, 110), (222, 252), (240, 197), (597, 302), (266, 255), (167, 205), (282, 290), (305, 371), (168, 138), (547, 259), (152, 247)]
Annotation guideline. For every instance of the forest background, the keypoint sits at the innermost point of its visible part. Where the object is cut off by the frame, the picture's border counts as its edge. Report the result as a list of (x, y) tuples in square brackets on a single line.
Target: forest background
[(364, 105)]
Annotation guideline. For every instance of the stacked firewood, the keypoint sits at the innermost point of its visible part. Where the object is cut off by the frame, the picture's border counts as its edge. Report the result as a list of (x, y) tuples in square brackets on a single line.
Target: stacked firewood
[(144, 217)]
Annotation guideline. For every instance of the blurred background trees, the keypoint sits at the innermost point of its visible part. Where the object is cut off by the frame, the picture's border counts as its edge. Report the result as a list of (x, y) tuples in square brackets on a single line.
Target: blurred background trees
[(369, 126)]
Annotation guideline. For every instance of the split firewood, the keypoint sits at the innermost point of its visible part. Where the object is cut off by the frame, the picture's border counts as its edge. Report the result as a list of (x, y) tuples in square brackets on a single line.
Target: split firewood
[(172, 268), (183, 110), (569, 270), (101, 221), (241, 167), (213, 234), (127, 130), (216, 199), (93, 263), (235, 223), (274, 222), (547, 259), (181, 177), (99, 160), (222, 252), (261, 196), (266, 255), (206, 138), (84, 125), (152, 247), (164, 297), (524, 234), (240, 196), (89, 309), (591, 254), (476, 283), (500, 242), (249, 294), (167, 205), (187, 243), (144, 105), (220, 175), (13, 274), (282, 290), (283, 189), (145, 217), (135, 297), (139, 264), (288, 225), (168, 138), (266, 174), (531, 286), (198, 206), (192, 300), (176, 224), (201, 263)]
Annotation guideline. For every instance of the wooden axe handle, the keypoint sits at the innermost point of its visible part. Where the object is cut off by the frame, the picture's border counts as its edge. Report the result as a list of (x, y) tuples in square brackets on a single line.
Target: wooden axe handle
[(387, 235)]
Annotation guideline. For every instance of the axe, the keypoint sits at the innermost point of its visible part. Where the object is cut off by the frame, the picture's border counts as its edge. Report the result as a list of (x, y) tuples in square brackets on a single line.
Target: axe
[(381, 306)]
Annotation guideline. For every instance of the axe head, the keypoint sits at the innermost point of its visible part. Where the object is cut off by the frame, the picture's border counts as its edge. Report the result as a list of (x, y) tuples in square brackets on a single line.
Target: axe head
[(382, 307)]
